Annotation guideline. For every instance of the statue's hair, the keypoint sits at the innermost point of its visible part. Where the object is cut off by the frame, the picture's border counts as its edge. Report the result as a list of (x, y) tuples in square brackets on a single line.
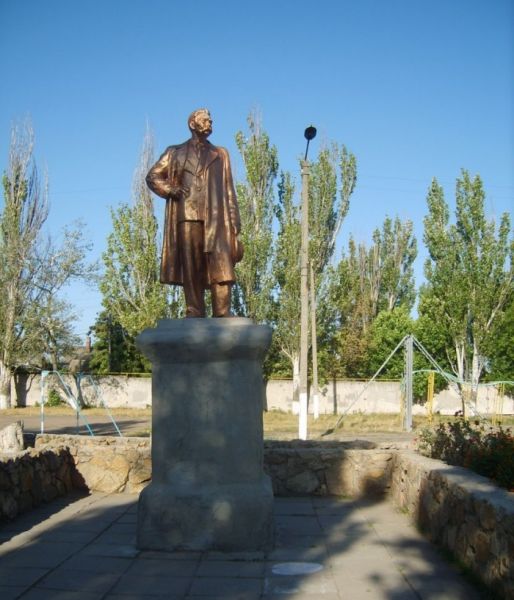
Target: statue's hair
[(192, 116)]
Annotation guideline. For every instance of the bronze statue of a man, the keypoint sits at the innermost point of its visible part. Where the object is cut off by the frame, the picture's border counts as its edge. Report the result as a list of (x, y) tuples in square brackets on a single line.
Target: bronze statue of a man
[(200, 245)]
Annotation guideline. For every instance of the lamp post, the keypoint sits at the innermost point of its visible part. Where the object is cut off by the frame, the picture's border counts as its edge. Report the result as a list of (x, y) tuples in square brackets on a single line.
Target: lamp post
[(310, 133)]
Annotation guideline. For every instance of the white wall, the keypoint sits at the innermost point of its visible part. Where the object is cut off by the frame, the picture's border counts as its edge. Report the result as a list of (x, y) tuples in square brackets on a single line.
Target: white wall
[(379, 397), (116, 391)]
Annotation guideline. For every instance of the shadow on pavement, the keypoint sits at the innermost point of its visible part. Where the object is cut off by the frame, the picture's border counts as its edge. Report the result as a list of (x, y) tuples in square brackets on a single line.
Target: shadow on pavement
[(84, 546)]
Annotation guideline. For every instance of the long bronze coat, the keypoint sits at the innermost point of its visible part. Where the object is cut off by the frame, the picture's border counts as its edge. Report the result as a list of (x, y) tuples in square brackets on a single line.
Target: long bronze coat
[(221, 218)]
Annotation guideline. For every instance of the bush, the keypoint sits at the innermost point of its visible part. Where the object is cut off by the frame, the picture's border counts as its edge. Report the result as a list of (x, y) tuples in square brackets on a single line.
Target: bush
[(487, 451), (54, 398)]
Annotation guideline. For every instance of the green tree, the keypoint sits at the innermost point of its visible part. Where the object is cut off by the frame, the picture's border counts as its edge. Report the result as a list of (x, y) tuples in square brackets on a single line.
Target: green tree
[(432, 334), (25, 211), (252, 293), (397, 250), (365, 282), (499, 348), (469, 273), (49, 321), (332, 181), (386, 332), (114, 350), (35, 324), (52, 322), (286, 270), (327, 209), (132, 293)]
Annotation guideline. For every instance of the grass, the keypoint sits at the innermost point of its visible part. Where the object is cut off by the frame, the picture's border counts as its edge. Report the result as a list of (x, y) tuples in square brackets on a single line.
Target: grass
[(277, 424)]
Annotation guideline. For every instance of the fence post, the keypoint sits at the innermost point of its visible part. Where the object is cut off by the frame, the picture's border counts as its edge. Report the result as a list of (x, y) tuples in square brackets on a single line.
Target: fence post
[(430, 396), (408, 382)]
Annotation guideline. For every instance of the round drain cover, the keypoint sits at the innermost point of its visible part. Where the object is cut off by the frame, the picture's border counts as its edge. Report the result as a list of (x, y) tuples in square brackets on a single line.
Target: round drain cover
[(296, 568)]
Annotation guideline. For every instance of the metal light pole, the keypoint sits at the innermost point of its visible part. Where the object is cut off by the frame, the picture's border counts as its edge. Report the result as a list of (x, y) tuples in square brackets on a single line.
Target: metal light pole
[(309, 134)]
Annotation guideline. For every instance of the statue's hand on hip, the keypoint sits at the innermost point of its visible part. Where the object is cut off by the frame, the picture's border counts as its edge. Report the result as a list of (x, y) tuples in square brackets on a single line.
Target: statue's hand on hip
[(178, 192)]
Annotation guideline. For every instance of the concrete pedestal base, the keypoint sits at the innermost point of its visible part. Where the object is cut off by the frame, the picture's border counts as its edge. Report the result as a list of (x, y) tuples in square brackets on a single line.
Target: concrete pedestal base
[(208, 488)]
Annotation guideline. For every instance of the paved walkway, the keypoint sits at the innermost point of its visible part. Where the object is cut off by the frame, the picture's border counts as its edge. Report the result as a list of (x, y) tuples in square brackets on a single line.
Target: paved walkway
[(84, 549), (101, 424), (141, 425)]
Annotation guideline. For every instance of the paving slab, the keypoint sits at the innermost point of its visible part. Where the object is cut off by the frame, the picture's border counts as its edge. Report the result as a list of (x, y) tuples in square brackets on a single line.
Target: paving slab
[(23, 575), (284, 506), (155, 568), (162, 585), (8, 592), (78, 581), (230, 568), (227, 587), (230, 595), (40, 554), (42, 594), (142, 596), (319, 584), (97, 564), (114, 550), (85, 550)]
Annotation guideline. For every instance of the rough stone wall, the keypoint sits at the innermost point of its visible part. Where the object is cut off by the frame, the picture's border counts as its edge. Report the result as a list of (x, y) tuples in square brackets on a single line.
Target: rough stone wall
[(338, 469), (113, 464), (461, 511), (11, 438), (105, 464), (31, 478)]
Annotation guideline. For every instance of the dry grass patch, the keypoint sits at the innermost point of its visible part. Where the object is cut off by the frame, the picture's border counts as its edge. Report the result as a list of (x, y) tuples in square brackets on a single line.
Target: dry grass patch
[(30, 411), (277, 423)]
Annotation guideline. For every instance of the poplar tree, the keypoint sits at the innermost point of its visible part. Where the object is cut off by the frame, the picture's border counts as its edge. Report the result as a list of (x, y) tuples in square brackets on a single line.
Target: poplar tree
[(397, 252), (252, 292), (51, 325), (25, 211), (34, 322), (366, 282), (331, 184), (469, 273), (132, 293), (327, 209), (114, 350), (286, 270), (500, 349)]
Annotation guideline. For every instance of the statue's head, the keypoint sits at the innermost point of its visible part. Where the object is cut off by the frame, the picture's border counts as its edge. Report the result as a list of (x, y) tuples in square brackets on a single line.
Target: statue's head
[(200, 121)]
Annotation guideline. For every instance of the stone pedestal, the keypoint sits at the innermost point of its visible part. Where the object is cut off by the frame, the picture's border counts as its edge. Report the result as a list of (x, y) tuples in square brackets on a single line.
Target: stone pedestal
[(208, 488)]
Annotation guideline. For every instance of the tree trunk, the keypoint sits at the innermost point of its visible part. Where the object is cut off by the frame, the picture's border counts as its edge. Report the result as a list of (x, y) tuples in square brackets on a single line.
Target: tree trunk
[(5, 386), (460, 354), (314, 342), (476, 370), (7, 342)]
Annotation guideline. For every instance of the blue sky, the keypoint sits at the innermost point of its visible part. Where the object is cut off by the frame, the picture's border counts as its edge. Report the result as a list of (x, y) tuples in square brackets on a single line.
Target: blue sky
[(415, 88)]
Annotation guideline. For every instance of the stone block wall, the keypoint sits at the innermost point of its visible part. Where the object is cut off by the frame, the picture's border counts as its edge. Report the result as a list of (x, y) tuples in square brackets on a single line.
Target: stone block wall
[(31, 478), (113, 464), (332, 468), (462, 512), (105, 464)]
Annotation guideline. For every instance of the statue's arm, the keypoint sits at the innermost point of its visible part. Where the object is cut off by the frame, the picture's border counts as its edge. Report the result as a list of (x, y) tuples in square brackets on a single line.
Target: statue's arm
[(158, 178)]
